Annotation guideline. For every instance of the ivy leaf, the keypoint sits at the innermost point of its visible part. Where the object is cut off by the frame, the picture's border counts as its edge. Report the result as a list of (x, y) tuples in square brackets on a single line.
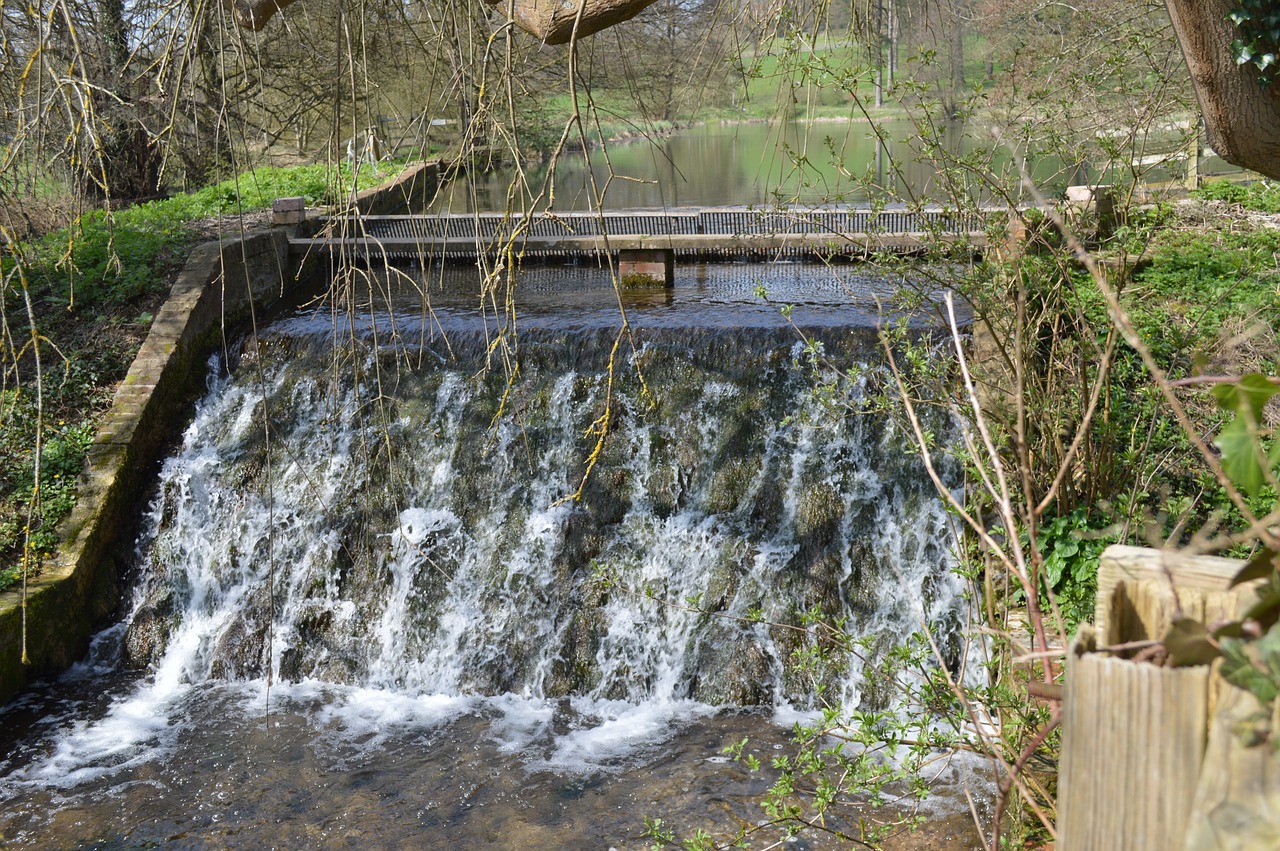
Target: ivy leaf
[(1261, 565), (1188, 643), (1241, 52)]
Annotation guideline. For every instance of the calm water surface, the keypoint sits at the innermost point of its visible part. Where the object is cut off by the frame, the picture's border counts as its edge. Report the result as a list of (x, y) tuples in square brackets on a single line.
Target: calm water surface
[(820, 162)]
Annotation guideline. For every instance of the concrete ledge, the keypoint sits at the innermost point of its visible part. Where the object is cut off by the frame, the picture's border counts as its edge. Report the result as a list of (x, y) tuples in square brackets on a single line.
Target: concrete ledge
[(835, 244), (411, 190), (75, 594)]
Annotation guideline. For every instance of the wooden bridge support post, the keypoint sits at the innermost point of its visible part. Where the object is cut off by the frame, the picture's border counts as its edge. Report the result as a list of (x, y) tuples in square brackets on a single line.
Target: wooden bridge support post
[(647, 266)]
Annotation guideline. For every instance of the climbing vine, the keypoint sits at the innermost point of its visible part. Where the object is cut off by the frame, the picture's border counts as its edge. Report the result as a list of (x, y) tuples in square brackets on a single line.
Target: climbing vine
[(1258, 22)]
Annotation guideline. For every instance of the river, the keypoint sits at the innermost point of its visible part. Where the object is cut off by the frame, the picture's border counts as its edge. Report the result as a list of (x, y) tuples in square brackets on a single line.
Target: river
[(363, 612), (383, 626)]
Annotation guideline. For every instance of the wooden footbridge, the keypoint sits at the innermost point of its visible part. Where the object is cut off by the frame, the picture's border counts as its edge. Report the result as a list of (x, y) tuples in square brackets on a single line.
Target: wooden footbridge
[(648, 241)]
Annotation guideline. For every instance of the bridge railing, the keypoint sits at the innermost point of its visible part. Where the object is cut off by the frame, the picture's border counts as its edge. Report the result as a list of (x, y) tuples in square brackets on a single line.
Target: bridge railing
[(488, 227)]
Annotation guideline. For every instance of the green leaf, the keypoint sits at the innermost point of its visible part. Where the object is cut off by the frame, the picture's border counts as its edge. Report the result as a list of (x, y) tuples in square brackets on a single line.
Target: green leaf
[(1239, 461), (1241, 52), (1239, 670), (1251, 392), (1268, 649), (1188, 643), (1266, 610), (1230, 629), (1261, 565), (1053, 568)]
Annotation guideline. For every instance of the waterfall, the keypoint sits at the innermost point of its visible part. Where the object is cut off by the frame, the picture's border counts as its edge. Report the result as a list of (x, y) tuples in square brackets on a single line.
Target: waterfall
[(417, 533), (369, 527)]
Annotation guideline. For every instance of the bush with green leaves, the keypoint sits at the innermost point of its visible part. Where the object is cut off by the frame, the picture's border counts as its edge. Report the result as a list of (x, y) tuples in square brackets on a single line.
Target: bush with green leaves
[(29, 514)]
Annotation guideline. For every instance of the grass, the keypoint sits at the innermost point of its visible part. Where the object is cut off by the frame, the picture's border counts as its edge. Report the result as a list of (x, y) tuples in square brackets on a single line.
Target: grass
[(93, 288), (1261, 196), (1205, 304)]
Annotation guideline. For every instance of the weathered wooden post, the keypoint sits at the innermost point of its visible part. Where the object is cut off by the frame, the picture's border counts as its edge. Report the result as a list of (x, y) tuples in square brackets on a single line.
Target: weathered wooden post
[(1101, 199), (1139, 769), (1193, 159)]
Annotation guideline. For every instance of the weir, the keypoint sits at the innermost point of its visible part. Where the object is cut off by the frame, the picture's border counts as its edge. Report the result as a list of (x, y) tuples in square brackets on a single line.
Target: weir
[(360, 584), (706, 233)]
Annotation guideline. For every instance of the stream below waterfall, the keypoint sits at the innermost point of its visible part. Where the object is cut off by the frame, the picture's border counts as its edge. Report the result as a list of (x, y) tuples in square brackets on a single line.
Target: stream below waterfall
[(367, 613)]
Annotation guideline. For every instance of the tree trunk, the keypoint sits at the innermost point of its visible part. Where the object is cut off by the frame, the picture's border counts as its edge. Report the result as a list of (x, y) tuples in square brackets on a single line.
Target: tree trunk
[(1243, 119), (955, 47)]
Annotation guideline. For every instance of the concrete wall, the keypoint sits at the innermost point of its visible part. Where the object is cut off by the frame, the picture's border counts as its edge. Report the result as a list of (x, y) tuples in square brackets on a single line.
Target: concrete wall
[(79, 591), (215, 295), (409, 191)]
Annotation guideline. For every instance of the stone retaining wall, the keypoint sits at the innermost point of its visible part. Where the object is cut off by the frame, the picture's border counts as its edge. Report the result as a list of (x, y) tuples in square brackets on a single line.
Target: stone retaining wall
[(408, 192)]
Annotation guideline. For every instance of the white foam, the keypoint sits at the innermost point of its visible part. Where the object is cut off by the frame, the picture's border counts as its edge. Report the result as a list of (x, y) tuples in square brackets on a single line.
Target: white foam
[(520, 721), (134, 730), (611, 731), (375, 713)]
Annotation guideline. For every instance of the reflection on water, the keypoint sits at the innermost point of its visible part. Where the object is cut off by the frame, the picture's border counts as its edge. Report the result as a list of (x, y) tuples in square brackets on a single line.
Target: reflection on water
[(821, 162), (747, 295)]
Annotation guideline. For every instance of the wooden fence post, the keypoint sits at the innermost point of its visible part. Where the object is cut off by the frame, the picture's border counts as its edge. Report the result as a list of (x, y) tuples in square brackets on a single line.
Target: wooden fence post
[(1135, 735)]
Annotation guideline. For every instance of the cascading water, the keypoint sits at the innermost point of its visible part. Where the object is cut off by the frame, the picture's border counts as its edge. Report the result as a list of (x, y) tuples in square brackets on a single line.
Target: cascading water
[(365, 550)]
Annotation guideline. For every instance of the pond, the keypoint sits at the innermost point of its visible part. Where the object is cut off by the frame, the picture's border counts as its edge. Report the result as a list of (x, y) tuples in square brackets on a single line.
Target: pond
[(818, 162)]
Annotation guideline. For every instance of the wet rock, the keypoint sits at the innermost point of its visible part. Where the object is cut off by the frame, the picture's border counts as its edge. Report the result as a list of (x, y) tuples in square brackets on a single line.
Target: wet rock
[(818, 513), (731, 482), (608, 495), (583, 542), (732, 669), (148, 632), (663, 491), (241, 651), (575, 670)]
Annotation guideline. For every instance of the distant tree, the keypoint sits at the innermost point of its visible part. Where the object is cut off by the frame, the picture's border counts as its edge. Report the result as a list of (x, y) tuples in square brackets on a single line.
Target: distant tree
[(668, 57)]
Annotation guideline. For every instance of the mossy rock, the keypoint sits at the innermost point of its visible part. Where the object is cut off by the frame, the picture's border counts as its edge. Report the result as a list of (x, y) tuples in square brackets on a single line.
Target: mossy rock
[(732, 668), (731, 483), (575, 670), (818, 513), (148, 633), (241, 651), (663, 491)]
